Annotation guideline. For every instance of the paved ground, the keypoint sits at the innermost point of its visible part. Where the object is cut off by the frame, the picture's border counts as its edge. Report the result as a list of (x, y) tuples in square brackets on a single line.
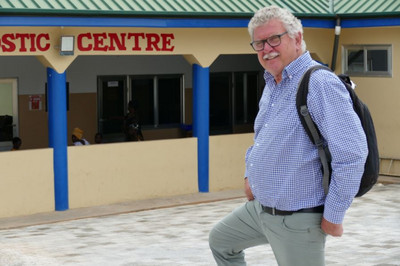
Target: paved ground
[(179, 235)]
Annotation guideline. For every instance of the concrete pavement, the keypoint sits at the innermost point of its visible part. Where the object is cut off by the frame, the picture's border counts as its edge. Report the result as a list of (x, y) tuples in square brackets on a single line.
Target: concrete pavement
[(174, 231)]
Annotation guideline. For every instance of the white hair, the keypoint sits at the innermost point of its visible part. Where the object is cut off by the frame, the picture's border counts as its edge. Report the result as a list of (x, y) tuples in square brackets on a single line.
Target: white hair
[(290, 22)]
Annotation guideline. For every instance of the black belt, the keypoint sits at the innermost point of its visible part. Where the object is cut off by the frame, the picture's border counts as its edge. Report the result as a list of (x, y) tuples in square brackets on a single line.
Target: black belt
[(273, 211)]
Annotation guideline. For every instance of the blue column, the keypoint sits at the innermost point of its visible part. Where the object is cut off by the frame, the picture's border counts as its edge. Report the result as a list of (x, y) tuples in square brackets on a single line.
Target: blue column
[(201, 123), (57, 115)]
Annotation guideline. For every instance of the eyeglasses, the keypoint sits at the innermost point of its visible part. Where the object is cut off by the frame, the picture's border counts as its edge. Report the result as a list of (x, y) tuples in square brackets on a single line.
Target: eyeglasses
[(272, 41)]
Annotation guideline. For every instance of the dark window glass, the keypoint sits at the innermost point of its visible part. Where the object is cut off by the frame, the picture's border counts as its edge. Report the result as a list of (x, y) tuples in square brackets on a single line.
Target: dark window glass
[(240, 98), (113, 104), (246, 101), (377, 60), (355, 60), (166, 109), (143, 97), (233, 102), (252, 96), (220, 87), (169, 100)]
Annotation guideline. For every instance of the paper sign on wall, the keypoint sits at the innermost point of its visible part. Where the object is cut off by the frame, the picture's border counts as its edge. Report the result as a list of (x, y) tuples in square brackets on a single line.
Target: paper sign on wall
[(35, 102)]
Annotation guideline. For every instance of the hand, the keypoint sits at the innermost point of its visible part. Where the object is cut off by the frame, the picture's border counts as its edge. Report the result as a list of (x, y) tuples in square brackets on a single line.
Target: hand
[(247, 190), (331, 228)]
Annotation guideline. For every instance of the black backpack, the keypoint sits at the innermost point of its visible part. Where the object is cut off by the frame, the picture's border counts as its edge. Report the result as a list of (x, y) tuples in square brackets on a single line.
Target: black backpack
[(371, 168)]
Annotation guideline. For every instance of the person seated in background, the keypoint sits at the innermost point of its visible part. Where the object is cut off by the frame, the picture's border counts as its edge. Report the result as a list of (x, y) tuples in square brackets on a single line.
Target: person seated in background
[(132, 128), (16, 143), (98, 138), (77, 137)]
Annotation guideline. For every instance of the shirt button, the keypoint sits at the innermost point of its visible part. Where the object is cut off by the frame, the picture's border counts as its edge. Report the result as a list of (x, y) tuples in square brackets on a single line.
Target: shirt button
[(266, 125), (273, 105), (257, 144), (251, 164), (290, 76)]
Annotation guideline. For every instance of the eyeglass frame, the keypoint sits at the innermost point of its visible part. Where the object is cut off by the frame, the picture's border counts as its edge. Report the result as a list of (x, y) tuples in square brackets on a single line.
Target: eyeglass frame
[(266, 41)]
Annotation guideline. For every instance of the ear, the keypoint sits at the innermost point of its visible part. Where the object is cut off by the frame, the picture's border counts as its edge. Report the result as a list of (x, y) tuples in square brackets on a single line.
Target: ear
[(298, 39)]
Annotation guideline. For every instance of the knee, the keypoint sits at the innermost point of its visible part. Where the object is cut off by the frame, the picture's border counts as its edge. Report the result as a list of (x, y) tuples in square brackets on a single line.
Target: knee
[(212, 237)]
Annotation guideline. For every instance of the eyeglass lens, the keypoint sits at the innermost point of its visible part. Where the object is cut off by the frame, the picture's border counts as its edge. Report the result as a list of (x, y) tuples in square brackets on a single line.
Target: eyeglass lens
[(273, 41)]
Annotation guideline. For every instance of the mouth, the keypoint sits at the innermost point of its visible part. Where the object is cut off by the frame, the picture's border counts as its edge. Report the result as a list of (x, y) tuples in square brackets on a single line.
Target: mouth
[(270, 56)]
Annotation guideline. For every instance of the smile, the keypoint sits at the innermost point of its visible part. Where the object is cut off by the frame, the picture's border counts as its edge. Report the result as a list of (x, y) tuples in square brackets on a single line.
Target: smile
[(270, 56)]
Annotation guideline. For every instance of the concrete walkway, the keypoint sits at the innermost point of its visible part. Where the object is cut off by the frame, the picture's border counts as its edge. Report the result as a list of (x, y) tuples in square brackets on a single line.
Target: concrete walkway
[(174, 231)]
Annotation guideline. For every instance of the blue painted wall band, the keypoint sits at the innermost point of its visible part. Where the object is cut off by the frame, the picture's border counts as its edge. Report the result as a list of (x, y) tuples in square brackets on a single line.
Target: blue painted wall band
[(57, 114)]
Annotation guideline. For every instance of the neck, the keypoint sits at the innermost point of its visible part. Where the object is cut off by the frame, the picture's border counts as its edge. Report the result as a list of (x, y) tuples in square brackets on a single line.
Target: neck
[(278, 78)]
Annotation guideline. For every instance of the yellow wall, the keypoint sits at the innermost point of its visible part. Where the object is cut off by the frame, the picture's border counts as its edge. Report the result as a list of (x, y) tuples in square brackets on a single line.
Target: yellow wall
[(381, 94), (227, 153), (320, 43), (109, 173), (27, 182), (194, 43)]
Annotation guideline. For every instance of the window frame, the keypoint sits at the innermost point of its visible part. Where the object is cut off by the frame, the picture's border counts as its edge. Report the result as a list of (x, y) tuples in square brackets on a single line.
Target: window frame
[(366, 48)]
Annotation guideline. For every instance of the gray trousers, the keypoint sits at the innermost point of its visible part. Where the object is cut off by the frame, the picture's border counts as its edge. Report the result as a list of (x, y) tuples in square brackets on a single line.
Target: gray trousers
[(295, 239)]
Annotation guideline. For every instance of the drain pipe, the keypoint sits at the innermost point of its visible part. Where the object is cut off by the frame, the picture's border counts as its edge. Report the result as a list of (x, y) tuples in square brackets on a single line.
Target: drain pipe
[(336, 44)]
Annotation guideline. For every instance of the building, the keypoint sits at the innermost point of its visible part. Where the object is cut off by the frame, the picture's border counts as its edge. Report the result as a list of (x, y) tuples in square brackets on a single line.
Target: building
[(190, 70)]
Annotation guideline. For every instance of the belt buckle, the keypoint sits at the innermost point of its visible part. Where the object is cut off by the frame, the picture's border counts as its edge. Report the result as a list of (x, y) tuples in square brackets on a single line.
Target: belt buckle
[(273, 211)]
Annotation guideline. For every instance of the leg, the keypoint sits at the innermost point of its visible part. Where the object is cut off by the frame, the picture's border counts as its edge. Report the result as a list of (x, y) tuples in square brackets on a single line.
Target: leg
[(297, 240), (239, 230)]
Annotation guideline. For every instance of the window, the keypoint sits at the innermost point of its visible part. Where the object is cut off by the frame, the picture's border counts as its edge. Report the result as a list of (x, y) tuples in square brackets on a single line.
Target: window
[(158, 99), (368, 60), (233, 102), (246, 99), (220, 103)]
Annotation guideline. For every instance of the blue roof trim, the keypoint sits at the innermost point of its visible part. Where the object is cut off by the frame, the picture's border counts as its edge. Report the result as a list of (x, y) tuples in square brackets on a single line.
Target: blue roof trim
[(369, 23), (318, 23), (121, 22), (24, 21)]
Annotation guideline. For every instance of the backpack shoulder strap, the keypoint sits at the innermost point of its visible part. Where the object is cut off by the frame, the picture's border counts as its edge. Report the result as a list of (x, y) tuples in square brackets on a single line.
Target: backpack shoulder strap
[(301, 99), (309, 125)]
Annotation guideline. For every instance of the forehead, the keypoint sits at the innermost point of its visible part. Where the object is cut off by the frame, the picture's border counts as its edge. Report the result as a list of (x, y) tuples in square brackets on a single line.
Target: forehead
[(272, 27)]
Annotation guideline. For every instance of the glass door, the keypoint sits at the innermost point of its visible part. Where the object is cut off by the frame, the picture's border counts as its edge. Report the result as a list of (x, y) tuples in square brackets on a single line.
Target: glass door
[(111, 106)]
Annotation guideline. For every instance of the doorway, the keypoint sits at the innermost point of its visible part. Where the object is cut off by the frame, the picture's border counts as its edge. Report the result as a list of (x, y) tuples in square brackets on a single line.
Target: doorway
[(111, 107), (8, 113)]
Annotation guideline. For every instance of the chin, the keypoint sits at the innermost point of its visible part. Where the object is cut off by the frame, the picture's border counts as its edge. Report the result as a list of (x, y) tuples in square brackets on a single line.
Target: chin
[(273, 69)]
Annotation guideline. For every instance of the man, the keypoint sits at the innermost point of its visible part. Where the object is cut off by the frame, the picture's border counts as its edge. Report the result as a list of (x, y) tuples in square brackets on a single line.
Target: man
[(77, 137), (287, 206)]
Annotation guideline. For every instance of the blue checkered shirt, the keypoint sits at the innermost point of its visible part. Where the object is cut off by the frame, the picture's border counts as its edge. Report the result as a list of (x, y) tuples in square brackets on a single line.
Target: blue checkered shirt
[(283, 166)]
